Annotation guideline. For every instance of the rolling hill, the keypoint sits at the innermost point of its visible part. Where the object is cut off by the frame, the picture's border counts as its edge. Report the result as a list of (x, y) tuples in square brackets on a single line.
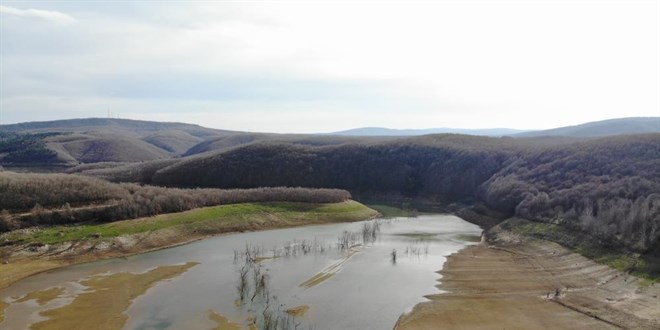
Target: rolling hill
[(225, 143), (620, 126), (101, 140), (136, 128), (603, 190), (93, 140), (381, 131)]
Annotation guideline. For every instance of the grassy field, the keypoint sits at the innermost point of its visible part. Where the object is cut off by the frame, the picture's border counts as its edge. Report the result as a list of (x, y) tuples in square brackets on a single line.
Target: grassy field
[(233, 217)]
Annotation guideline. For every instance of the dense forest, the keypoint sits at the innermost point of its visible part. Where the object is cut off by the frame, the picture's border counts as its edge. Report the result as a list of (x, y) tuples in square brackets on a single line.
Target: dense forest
[(607, 187), (46, 199)]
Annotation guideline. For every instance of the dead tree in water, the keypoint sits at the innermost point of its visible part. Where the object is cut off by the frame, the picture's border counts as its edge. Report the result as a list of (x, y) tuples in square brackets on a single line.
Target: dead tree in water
[(243, 283)]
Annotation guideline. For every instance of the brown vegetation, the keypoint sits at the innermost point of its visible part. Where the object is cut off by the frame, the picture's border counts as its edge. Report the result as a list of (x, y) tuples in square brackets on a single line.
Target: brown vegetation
[(607, 187), (603, 189), (60, 198)]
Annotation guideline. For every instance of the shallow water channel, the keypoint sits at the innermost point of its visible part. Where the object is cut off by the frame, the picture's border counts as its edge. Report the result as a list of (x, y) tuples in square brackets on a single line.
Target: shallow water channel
[(305, 270)]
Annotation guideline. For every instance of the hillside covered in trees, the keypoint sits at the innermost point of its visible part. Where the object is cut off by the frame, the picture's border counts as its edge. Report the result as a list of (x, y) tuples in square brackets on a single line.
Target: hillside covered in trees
[(73, 142), (607, 187)]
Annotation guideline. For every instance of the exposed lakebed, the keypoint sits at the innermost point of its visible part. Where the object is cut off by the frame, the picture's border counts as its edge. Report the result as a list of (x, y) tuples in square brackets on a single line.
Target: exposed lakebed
[(336, 276)]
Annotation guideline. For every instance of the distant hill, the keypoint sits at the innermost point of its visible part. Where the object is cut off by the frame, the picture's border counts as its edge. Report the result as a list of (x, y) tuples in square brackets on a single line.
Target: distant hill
[(92, 140), (224, 143), (99, 140), (174, 141), (111, 125), (620, 126), (380, 131)]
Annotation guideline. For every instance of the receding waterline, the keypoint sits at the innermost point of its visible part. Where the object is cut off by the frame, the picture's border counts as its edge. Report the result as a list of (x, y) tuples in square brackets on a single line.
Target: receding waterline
[(350, 275)]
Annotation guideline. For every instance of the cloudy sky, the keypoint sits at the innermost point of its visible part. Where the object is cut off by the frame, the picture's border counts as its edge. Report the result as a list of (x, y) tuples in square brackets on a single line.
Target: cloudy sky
[(325, 66)]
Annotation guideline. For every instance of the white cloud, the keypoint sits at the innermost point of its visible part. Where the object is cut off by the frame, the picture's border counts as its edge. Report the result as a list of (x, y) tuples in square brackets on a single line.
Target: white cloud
[(531, 64), (48, 15)]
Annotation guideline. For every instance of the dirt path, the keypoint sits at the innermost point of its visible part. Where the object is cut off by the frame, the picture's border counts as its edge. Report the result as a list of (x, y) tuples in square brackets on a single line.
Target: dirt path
[(70, 209), (514, 286)]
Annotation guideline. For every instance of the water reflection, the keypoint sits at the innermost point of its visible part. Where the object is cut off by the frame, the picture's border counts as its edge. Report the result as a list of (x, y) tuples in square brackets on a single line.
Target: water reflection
[(351, 276)]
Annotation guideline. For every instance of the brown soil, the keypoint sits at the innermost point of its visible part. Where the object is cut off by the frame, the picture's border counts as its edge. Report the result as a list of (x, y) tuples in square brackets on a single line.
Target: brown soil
[(25, 262), (19, 268), (298, 311), (42, 297), (103, 304), (21, 261), (3, 305), (222, 323), (513, 285)]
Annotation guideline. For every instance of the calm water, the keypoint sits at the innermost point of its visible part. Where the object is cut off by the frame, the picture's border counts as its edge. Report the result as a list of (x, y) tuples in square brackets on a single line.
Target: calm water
[(366, 291)]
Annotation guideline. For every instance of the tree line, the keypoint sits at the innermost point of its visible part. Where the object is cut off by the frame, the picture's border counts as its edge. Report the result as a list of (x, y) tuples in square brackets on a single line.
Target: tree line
[(46, 199), (607, 187)]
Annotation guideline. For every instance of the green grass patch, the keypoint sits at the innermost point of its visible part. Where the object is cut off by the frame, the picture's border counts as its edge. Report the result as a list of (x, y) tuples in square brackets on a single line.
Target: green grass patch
[(208, 220)]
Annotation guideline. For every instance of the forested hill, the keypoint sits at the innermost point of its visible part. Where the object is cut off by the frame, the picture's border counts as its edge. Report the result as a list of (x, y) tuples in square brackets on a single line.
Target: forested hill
[(607, 187), (68, 143)]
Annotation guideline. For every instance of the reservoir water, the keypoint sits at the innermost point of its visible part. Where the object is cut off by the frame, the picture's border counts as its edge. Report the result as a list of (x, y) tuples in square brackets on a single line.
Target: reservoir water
[(334, 276)]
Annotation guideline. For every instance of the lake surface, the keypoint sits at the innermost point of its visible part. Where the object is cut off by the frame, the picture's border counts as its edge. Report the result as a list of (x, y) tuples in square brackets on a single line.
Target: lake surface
[(359, 286)]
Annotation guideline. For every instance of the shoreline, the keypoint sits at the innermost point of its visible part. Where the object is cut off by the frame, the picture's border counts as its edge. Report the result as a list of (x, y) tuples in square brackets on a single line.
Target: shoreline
[(25, 260), (514, 282), (507, 281)]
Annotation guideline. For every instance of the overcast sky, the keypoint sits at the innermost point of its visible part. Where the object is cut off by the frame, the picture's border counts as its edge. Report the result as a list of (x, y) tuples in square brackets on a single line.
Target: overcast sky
[(327, 66)]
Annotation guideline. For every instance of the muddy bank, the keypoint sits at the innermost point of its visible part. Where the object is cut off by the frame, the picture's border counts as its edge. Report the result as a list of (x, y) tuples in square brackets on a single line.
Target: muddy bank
[(97, 302), (22, 260), (520, 283)]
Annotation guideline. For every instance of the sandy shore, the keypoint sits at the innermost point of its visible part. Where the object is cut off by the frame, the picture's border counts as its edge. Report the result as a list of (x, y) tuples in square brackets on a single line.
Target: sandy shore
[(512, 284)]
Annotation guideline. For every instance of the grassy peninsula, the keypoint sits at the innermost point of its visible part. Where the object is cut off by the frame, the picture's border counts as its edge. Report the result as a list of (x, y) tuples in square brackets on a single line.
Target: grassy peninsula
[(26, 252)]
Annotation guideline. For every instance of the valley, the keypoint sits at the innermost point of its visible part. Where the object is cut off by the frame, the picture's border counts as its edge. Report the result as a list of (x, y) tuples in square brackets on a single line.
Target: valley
[(549, 207)]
